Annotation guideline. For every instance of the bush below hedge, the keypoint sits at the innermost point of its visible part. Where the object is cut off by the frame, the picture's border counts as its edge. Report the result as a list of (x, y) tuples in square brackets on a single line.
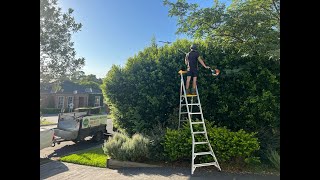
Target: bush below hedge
[(50, 110), (124, 148), (227, 145)]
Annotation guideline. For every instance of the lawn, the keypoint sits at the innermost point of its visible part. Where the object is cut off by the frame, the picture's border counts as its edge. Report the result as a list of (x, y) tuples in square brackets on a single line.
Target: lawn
[(93, 157), (45, 122)]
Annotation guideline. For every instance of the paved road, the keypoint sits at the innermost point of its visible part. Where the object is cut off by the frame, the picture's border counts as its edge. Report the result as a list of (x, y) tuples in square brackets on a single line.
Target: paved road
[(60, 171)]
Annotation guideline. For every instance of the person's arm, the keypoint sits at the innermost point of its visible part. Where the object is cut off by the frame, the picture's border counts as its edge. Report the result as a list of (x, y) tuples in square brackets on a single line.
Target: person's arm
[(202, 63), (186, 59)]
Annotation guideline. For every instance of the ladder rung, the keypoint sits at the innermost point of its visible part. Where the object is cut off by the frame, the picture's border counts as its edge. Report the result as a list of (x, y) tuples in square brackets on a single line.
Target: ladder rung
[(191, 95), (202, 153), (184, 113), (206, 164), (195, 113), (200, 132), (200, 122), (194, 104), (201, 143)]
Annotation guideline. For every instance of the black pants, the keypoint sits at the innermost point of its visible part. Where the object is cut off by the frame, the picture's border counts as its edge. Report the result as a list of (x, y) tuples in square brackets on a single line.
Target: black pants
[(193, 73)]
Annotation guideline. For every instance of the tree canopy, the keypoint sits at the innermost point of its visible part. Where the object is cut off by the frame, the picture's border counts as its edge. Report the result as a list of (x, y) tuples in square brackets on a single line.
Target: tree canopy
[(57, 54), (248, 26)]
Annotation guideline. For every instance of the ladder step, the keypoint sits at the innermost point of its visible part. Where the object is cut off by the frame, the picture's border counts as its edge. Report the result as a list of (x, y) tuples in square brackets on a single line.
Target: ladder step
[(194, 104), (200, 122), (205, 164), (184, 113), (191, 95), (201, 143), (196, 113), (200, 132), (202, 153)]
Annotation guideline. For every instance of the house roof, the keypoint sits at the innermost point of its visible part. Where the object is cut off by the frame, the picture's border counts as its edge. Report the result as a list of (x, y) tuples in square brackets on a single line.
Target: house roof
[(68, 87)]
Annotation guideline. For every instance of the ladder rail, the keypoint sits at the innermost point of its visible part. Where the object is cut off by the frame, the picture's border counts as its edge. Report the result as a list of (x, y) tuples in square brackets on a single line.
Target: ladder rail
[(181, 87), (205, 130)]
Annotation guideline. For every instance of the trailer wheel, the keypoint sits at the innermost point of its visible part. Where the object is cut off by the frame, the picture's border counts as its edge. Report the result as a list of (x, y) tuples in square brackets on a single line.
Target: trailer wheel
[(98, 136)]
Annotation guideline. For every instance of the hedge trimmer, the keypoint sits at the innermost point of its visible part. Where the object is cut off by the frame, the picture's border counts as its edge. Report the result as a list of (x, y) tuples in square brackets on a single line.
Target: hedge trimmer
[(215, 72)]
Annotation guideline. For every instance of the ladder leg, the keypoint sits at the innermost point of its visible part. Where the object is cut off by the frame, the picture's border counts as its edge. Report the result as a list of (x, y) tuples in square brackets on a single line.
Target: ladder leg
[(181, 86)]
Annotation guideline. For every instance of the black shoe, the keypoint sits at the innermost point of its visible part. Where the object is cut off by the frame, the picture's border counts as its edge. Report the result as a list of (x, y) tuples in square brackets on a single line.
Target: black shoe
[(188, 92), (194, 92)]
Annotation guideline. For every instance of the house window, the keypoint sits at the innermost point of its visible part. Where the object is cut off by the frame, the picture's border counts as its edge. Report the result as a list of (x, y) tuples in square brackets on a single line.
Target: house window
[(70, 100), (96, 101), (60, 102)]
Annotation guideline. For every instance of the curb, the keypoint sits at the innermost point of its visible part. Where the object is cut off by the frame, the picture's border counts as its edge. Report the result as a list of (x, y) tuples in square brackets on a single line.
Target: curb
[(49, 124)]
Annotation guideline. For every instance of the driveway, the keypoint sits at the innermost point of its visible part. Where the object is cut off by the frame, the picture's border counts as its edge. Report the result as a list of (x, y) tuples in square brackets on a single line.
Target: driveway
[(68, 147), (60, 171)]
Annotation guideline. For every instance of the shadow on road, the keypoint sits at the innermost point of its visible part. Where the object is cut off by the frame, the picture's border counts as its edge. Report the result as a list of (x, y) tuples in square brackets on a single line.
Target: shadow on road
[(71, 148), (52, 168), (198, 174)]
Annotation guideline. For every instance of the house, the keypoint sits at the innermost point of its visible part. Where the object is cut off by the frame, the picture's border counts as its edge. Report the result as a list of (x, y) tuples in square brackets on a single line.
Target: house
[(70, 92)]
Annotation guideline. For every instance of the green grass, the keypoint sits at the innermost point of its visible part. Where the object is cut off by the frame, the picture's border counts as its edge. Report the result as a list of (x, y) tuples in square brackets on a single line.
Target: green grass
[(45, 122), (93, 157)]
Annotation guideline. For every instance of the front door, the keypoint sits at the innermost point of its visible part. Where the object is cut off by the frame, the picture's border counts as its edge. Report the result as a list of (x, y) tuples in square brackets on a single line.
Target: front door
[(81, 101)]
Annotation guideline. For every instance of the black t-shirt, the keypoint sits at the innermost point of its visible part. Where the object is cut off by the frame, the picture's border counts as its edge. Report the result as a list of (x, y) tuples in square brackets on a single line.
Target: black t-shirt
[(193, 60)]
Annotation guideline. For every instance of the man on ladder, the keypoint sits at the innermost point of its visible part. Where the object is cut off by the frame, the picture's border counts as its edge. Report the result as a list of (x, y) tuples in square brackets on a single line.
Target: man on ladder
[(191, 61)]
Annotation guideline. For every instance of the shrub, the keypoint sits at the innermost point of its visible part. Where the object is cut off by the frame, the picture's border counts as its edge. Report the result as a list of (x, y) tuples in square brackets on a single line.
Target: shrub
[(253, 160), (91, 110), (274, 158), (156, 149), (50, 110), (227, 145), (123, 148)]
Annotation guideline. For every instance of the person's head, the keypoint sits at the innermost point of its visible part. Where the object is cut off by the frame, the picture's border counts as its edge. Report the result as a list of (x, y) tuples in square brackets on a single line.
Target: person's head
[(193, 47)]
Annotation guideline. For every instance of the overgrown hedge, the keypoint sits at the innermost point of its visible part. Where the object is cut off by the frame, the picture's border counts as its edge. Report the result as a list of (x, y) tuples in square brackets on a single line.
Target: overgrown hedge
[(145, 93), (227, 145)]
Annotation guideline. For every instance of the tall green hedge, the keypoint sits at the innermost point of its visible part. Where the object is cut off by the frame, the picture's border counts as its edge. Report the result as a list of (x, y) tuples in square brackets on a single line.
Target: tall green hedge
[(144, 94)]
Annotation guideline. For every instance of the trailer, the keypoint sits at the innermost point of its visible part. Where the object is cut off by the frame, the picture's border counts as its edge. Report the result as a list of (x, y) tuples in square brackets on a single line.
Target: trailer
[(76, 126)]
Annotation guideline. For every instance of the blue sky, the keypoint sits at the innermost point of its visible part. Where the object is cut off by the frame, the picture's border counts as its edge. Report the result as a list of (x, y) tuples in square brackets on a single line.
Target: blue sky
[(114, 30)]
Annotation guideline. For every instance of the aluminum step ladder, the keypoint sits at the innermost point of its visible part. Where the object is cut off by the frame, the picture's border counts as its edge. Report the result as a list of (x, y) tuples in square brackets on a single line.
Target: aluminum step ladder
[(184, 103)]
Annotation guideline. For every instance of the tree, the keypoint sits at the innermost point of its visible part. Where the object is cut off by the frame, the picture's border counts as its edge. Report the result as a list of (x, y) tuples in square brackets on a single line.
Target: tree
[(91, 78), (57, 54), (77, 76), (248, 26), (90, 81)]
